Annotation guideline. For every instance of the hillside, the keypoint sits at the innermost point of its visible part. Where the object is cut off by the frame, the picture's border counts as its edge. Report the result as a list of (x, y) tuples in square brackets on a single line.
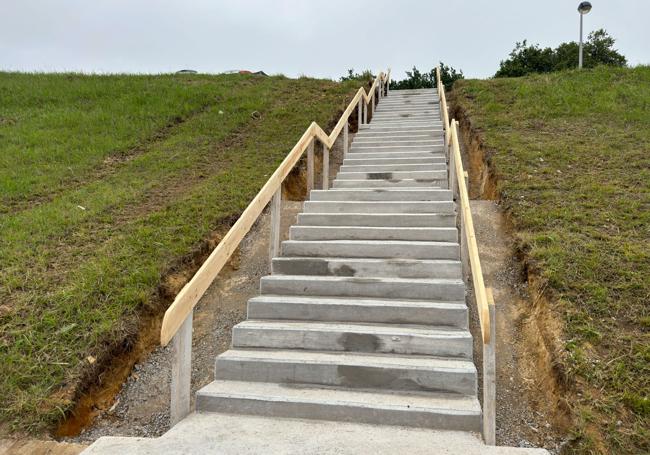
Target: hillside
[(569, 155), (109, 184)]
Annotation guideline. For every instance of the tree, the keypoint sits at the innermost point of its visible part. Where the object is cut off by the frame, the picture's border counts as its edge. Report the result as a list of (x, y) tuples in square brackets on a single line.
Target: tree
[(600, 50), (525, 59), (416, 79), (363, 76)]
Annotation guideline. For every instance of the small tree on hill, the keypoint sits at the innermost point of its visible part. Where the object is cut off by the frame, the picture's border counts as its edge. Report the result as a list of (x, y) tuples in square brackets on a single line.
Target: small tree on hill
[(525, 59), (363, 76), (416, 79)]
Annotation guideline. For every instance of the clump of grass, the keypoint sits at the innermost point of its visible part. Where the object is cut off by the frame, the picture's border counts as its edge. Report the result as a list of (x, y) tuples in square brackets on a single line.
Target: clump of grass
[(572, 155), (158, 163)]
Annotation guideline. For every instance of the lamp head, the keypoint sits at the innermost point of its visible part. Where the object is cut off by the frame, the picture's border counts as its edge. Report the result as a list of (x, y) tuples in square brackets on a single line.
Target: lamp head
[(584, 7)]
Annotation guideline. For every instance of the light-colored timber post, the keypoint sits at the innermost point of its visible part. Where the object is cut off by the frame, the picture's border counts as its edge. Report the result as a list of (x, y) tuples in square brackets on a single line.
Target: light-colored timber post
[(276, 212), (360, 113), (489, 377), (181, 372), (365, 113), (326, 167), (372, 103), (346, 129), (452, 166), (464, 251), (310, 167)]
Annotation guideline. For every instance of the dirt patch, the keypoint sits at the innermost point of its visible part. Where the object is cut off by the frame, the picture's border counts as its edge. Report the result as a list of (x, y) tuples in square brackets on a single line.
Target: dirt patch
[(35, 447), (116, 368), (477, 159)]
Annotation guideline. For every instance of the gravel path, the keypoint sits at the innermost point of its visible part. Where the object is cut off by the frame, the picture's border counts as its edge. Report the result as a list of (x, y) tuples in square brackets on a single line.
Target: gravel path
[(524, 419)]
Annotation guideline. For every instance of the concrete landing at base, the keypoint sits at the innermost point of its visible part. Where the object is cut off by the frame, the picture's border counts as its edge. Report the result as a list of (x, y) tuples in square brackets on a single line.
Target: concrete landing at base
[(225, 434)]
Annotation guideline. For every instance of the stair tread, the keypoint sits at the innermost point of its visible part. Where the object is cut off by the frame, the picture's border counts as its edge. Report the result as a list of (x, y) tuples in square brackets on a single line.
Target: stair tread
[(368, 260), (430, 331), (371, 242), (378, 399), (360, 301), (351, 358)]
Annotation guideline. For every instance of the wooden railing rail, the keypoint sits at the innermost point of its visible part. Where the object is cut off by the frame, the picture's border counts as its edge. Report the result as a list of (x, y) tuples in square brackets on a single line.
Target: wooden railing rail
[(458, 183), (177, 321)]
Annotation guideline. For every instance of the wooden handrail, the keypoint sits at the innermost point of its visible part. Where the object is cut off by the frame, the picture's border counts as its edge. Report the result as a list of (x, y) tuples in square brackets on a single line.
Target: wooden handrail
[(189, 296), (451, 136), (470, 237)]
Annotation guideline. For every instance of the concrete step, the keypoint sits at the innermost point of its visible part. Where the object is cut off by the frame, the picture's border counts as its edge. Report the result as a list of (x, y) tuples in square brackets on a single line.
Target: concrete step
[(398, 288), (379, 207), (395, 148), (393, 167), (373, 142), (379, 161), (394, 249), (390, 113), (431, 234), (417, 134), (377, 219), (406, 108), (349, 370), (346, 309), (240, 434), (398, 112), (411, 409), (393, 183), (339, 336), (396, 175), (436, 154), (406, 126), (365, 267), (401, 124), (407, 194)]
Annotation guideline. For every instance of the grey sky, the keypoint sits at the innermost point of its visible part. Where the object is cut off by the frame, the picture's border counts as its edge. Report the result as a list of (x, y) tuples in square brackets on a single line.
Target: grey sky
[(316, 38)]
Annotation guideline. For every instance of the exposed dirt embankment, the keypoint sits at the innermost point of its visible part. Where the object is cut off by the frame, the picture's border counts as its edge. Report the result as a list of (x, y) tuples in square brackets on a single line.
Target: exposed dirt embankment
[(537, 334)]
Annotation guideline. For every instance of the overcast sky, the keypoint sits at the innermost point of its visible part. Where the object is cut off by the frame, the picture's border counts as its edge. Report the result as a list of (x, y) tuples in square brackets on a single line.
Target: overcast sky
[(313, 37)]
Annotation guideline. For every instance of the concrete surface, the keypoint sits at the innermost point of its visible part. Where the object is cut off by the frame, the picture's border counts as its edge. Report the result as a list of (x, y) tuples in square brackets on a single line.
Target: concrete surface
[(226, 434)]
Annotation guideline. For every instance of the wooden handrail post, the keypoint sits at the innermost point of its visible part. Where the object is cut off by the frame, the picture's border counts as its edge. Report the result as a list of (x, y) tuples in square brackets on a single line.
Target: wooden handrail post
[(365, 113), (464, 250), (326, 167), (181, 372), (489, 377), (310, 167), (452, 175), (360, 114), (345, 140), (276, 215)]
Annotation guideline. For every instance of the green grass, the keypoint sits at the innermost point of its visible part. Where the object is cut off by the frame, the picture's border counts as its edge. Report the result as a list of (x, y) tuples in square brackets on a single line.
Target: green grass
[(572, 156), (106, 182)]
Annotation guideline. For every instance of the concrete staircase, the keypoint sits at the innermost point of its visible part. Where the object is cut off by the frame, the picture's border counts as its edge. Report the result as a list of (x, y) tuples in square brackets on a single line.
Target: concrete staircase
[(364, 317)]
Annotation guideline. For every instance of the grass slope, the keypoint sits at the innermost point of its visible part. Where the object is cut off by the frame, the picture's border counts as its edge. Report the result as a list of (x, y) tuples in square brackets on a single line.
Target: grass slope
[(105, 183), (572, 155)]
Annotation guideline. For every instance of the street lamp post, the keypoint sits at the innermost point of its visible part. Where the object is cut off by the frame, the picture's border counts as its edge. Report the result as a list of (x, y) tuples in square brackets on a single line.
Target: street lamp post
[(583, 8)]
